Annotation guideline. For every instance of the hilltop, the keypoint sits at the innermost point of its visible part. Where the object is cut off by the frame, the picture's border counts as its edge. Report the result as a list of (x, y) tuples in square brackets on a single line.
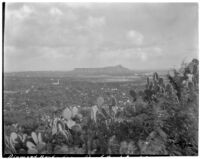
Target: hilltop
[(110, 70)]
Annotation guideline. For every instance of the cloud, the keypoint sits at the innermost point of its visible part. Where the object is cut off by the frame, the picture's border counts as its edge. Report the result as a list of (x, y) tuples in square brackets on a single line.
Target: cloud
[(55, 11), (79, 5), (143, 56), (135, 37), (71, 16), (20, 14), (59, 27), (67, 35), (95, 22), (131, 55), (158, 51)]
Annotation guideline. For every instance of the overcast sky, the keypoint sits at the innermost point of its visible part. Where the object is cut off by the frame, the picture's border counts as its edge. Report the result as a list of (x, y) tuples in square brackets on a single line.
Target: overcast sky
[(62, 36)]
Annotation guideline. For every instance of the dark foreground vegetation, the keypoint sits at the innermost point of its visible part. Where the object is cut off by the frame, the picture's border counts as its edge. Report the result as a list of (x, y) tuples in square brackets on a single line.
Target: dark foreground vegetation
[(159, 119)]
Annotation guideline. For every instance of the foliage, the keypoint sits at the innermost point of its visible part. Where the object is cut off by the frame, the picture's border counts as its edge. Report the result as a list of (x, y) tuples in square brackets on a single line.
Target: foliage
[(161, 120)]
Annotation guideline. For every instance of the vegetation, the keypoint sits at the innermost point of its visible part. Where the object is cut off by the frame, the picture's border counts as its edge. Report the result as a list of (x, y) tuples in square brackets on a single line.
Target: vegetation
[(161, 120)]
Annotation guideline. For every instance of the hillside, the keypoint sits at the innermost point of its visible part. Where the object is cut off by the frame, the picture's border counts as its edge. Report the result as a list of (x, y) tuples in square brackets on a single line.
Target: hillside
[(111, 70)]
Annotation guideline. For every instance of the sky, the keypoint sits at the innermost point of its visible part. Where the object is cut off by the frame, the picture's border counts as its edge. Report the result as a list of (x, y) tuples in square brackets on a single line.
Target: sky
[(63, 36)]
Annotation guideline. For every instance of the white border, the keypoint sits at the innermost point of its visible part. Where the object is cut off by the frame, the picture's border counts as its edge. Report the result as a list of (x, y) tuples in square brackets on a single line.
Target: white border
[(98, 1)]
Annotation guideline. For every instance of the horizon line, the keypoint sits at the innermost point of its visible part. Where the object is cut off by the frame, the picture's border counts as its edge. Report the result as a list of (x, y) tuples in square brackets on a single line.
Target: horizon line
[(23, 71)]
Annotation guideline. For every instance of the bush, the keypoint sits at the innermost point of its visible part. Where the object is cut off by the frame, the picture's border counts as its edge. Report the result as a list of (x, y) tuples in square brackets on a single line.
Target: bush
[(161, 120)]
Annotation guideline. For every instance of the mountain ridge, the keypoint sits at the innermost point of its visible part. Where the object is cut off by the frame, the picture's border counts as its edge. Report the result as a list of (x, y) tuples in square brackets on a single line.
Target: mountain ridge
[(109, 70), (117, 70)]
